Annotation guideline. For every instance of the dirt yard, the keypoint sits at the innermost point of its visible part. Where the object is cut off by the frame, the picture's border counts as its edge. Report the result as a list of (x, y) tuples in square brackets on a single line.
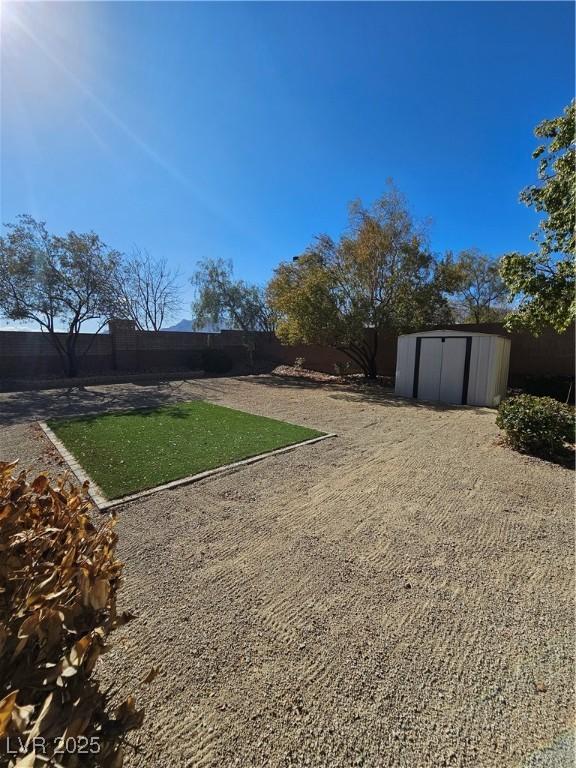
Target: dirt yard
[(401, 595)]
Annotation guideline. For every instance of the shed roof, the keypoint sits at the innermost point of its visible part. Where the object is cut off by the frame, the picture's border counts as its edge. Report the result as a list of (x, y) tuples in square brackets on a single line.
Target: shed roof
[(451, 332)]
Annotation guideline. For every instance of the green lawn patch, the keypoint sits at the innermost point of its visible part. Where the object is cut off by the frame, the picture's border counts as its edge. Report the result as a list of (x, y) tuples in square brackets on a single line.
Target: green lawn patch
[(130, 451)]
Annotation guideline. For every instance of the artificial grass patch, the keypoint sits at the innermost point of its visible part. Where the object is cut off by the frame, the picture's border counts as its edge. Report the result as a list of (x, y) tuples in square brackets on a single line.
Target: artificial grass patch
[(130, 451)]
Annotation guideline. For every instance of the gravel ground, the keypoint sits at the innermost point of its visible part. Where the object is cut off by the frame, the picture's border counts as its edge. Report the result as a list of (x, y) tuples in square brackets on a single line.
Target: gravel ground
[(401, 595)]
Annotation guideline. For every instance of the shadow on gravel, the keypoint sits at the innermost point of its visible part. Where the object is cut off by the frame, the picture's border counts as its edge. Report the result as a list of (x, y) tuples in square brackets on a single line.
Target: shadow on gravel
[(18, 407), (387, 398), (567, 459), (35, 405), (292, 381), (377, 394)]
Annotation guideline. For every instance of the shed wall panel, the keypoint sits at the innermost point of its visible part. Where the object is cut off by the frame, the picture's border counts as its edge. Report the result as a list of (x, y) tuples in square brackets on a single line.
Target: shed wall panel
[(405, 366), (488, 370), (430, 369), (452, 377)]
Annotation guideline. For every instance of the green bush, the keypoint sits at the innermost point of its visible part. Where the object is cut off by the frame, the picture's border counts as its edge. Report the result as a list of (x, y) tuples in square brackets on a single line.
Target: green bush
[(216, 361), (537, 425)]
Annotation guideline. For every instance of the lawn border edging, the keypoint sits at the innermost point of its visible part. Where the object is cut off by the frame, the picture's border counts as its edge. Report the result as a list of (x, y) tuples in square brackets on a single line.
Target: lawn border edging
[(103, 504), (95, 491)]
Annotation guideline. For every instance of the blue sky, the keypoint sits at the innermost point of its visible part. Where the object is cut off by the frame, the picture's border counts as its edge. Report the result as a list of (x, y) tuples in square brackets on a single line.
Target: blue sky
[(241, 130)]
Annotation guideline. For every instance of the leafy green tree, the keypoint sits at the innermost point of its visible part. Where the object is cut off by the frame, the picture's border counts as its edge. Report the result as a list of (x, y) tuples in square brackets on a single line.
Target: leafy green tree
[(221, 299), (479, 293), (378, 276), (545, 281), (52, 280)]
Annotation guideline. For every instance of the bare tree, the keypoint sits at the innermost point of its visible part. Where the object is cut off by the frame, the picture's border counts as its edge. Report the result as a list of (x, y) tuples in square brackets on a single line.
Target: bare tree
[(53, 281), (148, 291)]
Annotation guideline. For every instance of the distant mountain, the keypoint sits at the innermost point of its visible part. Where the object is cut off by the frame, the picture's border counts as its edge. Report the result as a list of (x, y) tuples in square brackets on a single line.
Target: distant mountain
[(186, 325), (183, 325)]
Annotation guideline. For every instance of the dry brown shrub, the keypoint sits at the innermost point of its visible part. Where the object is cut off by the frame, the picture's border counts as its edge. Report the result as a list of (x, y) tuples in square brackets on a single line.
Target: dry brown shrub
[(58, 582)]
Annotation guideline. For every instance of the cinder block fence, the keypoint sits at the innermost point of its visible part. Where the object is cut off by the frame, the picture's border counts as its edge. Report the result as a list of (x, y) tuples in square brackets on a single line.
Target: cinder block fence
[(29, 356)]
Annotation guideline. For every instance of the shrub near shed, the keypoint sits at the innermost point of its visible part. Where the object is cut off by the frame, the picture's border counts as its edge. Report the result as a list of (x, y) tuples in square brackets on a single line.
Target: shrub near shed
[(538, 425)]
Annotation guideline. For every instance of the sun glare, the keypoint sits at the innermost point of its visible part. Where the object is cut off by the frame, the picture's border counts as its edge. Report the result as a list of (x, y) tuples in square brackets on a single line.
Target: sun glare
[(39, 42)]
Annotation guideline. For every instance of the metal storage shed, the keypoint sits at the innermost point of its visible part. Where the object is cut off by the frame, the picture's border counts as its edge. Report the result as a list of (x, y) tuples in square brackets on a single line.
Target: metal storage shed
[(458, 367)]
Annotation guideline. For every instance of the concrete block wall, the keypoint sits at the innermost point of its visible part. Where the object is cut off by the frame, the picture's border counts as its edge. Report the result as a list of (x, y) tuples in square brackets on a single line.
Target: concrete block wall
[(549, 354), (144, 351), (30, 355)]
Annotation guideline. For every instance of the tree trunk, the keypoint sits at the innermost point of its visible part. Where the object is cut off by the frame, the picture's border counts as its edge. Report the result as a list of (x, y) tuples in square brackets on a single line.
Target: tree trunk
[(371, 371), (62, 351), (67, 350), (372, 364), (72, 367), (364, 355), (71, 357)]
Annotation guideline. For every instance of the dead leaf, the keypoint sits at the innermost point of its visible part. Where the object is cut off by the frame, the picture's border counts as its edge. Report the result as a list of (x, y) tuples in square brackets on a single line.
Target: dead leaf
[(28, 761), (99, 594), (21, 716), (6, 708), (59, 576), (151, 675), (40, 484), (128, 716)]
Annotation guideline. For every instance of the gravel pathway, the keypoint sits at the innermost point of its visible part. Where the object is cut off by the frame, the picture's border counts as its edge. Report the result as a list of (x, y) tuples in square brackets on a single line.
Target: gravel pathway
[(402, 595)]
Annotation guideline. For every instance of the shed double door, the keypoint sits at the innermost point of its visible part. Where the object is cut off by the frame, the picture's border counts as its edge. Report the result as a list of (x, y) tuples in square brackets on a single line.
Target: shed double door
[(442, 369)]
